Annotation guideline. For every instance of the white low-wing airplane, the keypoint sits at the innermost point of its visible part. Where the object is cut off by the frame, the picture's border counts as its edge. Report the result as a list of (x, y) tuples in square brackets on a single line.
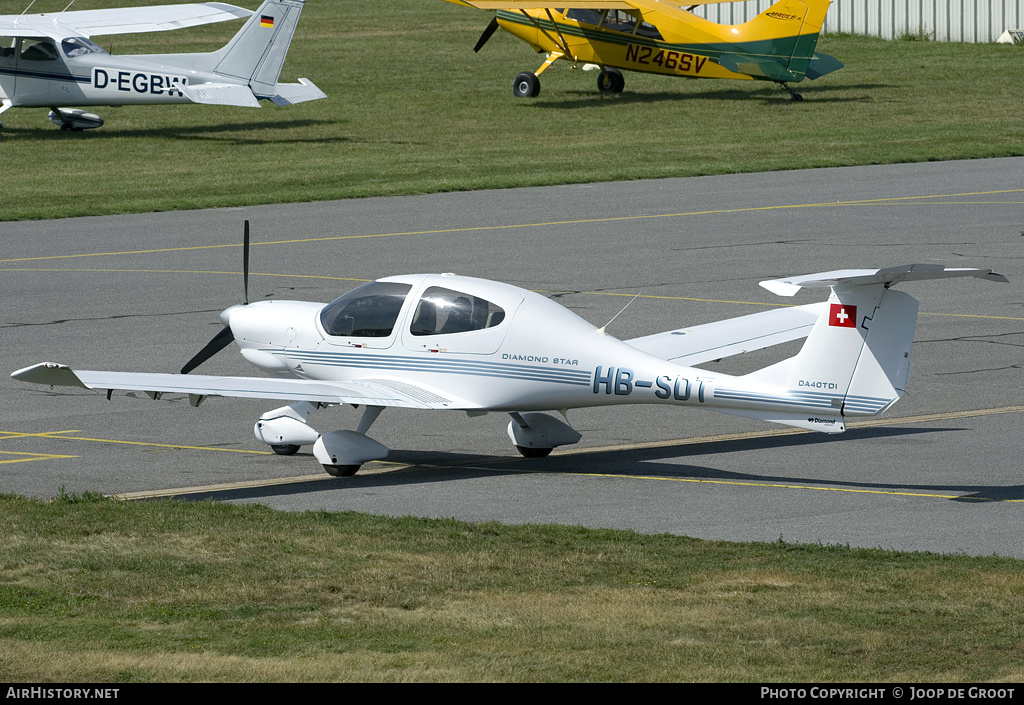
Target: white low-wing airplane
[(48, 61), (441, 341)]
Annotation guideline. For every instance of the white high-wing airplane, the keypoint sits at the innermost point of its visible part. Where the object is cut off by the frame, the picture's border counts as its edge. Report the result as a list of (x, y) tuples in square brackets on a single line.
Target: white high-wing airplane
[(48, 60), (441, 341)]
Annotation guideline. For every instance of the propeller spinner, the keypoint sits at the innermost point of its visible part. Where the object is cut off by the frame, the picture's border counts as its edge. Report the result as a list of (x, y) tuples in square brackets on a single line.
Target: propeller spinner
[(224, 337)]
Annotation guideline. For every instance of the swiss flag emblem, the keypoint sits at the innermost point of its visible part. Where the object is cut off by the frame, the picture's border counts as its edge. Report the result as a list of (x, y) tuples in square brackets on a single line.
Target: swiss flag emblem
[(842, 315)]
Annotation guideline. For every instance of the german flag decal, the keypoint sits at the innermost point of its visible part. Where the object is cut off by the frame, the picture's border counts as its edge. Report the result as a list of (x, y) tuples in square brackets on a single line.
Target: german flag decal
[(266, 21)]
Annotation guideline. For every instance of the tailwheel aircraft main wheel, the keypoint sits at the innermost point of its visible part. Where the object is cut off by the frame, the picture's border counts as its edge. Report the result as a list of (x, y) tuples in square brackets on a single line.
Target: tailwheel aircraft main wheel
[(341, 470), (534, 452), (526, 85), (610, 81), (285, 449)]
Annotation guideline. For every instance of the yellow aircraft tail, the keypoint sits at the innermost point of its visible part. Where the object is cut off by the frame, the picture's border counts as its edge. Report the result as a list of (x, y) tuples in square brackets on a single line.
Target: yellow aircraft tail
[(779, 43)]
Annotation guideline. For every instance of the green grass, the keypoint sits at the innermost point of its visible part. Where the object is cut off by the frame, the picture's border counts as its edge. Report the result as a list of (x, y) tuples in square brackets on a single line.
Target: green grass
[(411, 109), (98, 590)]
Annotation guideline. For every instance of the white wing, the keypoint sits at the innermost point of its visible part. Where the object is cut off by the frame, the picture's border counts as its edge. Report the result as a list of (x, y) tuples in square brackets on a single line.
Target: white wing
[(375, 392), (713, 341), (127, 20)]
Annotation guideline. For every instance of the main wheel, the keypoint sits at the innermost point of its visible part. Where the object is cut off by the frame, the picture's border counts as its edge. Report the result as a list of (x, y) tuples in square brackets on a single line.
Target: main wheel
[(534, 452), (285, 449), (610, 81), (526, 85), (341, 470)]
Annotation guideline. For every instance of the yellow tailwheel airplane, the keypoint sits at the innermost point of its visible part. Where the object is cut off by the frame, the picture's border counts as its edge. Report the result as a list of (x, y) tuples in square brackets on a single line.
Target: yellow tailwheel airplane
[(664, 37)]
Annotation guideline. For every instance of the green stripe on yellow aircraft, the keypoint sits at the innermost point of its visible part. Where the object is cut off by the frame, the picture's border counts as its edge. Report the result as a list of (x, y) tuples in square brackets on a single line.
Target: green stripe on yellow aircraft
[(657, 36)]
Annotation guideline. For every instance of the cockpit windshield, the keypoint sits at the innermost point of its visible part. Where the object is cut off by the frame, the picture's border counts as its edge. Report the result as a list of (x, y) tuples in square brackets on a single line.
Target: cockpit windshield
[(442, 311), (368, 311), (79, 46)]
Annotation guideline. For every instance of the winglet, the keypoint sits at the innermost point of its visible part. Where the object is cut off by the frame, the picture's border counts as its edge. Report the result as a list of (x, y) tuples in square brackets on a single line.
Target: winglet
[(50, 373), (865, 277)]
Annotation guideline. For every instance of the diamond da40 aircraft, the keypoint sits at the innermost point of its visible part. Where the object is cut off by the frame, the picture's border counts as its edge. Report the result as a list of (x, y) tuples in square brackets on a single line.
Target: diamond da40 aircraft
[(441, 341), (49, 61)]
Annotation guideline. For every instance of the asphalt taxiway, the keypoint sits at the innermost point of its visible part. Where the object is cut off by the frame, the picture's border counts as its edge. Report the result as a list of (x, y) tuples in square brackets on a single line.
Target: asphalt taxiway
[(942, 471)]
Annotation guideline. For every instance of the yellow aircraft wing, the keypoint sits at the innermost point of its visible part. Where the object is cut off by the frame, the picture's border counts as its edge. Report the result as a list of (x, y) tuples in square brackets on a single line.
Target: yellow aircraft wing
[(571, 4)]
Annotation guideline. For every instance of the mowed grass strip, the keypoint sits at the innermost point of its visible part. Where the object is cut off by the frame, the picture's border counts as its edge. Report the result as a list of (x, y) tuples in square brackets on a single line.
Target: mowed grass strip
[(93, 590), (411, 109)]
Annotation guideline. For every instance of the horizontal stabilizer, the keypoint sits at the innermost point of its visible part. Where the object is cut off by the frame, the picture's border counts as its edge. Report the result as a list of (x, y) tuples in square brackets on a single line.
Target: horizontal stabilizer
[(734, 336), (866, 277), (292, 93), (822, 424), (221, 94), (756, 66), (373, 392), (822, 64)]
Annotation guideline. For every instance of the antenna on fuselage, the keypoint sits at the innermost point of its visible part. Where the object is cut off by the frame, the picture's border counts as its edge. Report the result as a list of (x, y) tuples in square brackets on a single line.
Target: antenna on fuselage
[(601, 329)]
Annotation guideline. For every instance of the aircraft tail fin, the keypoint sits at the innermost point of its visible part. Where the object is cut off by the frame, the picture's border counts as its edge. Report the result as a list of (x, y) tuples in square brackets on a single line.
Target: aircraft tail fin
[(257, 53), (856, 358), (779, 43)]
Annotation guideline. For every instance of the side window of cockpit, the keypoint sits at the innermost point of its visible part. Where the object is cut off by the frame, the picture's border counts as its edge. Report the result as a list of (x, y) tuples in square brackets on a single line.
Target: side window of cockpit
[(38, 50), (620, 21), (368, 311), (79, 46), (442, 311), (7, 49), (589, 16), (645, 29)]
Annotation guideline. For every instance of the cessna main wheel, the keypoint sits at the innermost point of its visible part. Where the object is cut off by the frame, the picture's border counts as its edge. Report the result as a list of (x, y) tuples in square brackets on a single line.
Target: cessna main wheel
[(610, 81), (526, 85)]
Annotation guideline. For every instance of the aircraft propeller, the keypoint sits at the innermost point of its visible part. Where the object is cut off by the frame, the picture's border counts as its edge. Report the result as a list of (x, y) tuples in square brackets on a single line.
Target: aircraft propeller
[(491, 28), (224, 337)]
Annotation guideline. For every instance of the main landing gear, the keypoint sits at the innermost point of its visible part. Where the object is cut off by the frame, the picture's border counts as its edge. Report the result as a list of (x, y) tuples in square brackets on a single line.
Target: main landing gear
[(527, 85), (341, 453)]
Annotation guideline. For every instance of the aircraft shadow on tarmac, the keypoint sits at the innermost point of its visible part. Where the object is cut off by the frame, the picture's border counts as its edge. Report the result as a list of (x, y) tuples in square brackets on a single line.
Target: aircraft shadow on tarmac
[(420, 467)]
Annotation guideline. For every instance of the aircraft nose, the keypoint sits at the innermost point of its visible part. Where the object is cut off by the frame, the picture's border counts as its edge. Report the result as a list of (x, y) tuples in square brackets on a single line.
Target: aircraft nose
[(225, 315), (251, 322)]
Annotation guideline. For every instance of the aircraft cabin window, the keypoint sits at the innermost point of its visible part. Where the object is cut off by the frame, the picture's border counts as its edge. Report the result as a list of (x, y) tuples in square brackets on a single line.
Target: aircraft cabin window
[(79, 46), (368, 311), (588, 16), (7, 48), (620, 21), (645, 29), (442, 311), (38, 50)]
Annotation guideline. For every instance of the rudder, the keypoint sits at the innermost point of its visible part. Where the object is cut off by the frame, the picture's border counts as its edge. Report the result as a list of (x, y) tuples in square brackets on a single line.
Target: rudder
[(257, 52)]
